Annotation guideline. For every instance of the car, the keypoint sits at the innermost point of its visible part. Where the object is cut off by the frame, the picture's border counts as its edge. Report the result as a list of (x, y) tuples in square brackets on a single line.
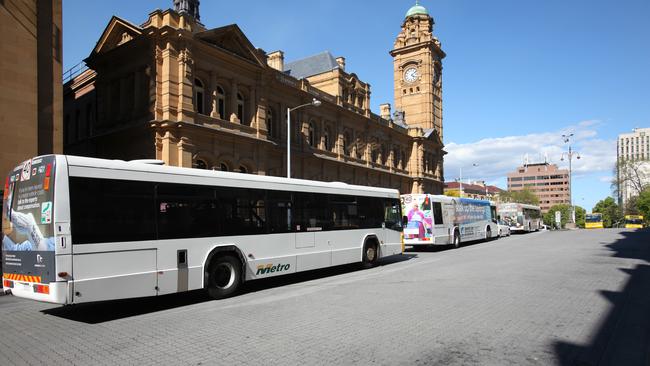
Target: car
[(504, 229)]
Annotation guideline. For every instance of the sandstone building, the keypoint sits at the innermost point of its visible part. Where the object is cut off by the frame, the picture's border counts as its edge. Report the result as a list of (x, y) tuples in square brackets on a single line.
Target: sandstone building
[(171, 89), (633, 147), (31, 101)]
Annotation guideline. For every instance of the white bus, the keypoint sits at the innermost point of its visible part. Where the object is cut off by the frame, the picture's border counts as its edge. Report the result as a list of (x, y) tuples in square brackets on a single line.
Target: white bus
[(443, 220), (80, 229), (520, 217)]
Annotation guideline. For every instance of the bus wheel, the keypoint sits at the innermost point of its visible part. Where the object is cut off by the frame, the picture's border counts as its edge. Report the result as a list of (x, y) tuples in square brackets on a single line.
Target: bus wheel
[(488, 234), (370, 254), (224, 277), (456, 243)]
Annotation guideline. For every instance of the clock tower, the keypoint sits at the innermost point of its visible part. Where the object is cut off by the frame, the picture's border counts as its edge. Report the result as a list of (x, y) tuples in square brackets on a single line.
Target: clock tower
[(417, 61)]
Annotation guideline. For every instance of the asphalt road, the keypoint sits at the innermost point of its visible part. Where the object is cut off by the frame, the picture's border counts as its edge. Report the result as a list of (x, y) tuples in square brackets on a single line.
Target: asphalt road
[(547, 298)]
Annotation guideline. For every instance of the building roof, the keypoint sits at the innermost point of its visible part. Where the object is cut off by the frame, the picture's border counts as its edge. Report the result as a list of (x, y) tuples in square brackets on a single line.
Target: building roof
[(312, 65), (416, 9), (474, 188)]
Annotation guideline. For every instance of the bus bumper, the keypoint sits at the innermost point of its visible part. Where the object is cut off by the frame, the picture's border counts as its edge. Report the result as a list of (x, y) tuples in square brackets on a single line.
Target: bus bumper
[(57, 291)]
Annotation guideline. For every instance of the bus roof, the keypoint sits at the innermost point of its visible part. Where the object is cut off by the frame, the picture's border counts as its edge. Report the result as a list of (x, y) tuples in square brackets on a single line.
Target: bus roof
[(120, 169)]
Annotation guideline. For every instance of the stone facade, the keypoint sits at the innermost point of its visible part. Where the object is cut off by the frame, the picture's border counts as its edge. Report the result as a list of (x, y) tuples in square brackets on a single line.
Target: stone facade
[(173, 90), (30, 81)]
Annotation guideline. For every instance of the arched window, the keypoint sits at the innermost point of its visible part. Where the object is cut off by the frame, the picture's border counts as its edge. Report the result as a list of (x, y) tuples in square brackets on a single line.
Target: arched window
[(240, 107), (221, 102), (242, 169), (310, 134), (223, 167), (199, 96), (346, 143), (200, 164)]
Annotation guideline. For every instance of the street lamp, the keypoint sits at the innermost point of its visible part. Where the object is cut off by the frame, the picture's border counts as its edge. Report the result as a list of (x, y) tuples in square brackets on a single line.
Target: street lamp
[(314, 102), (460, 180), (569, 155)]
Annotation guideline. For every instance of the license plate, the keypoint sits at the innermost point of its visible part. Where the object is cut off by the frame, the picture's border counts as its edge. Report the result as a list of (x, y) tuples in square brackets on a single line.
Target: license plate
[(23, 286), (411, 232)]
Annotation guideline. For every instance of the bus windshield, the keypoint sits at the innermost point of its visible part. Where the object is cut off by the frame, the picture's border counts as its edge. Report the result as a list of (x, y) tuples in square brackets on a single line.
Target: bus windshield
[(593, 218)]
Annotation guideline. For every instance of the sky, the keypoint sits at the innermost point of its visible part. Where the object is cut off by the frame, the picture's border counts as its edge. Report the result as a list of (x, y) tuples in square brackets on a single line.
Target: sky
[(518, 74)]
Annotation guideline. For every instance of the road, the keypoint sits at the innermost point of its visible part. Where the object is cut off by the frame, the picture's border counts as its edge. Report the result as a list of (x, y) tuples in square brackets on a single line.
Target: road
[(548, 298)]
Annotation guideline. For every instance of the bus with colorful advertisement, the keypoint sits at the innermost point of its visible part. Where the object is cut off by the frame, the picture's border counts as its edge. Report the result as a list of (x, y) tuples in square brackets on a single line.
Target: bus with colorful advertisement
[(80, 229), (443, 220), (634, 222), (594, 221)]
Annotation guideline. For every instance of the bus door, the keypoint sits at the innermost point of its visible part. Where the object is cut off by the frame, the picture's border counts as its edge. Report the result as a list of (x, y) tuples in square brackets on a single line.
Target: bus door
[(440, 232)]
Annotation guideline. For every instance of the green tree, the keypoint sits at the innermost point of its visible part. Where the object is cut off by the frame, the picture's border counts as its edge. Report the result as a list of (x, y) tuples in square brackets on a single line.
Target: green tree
[(565, 211), (610, 211), (643, 203), (452, 193), (523, 196), (580, 216)]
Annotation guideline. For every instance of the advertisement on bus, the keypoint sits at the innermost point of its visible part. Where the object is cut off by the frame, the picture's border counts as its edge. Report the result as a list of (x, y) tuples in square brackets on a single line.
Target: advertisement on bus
[(27, 214), (417, 209)]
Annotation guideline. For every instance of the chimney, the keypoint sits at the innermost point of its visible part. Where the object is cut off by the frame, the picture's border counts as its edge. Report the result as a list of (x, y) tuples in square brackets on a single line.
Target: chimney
[(276, 60), (384, 110), (341, 62)]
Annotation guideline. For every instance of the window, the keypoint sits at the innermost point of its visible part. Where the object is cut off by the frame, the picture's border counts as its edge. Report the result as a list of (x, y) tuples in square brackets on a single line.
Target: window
[(240, 107), (393, 214), (326, 139), (223, 167), (310, 135), (221, 102), (270, 123), (200, 164), (371, 212), (124, 211), (242, 169), (437, 213), (199, 97), (344, 212)]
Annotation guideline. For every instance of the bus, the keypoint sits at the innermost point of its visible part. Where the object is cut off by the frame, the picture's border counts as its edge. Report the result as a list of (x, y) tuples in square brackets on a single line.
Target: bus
[(521, 217), (594, 221), (443, 220), (82, 229), (634, 222)]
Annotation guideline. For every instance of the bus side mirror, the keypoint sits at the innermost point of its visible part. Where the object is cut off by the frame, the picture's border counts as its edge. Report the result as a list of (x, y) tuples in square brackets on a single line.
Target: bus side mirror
[(405, 221)]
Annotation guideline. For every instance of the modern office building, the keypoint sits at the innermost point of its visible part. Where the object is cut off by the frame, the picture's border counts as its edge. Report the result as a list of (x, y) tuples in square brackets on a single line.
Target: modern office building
[(549, 183), (634, 148), (171, 89)]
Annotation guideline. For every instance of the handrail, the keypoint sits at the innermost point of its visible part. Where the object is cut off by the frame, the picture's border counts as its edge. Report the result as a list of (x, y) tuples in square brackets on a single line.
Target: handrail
[(75, 70)]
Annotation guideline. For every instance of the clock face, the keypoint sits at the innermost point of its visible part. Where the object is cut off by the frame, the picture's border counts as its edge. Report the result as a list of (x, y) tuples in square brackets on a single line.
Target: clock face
[(411, 75)]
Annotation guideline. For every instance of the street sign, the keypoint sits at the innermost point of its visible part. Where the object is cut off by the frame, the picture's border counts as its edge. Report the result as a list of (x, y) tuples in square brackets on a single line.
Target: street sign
[(558, 218)]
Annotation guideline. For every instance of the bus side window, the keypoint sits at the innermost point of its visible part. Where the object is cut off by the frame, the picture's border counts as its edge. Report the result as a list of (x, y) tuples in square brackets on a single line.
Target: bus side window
[(437, 214)]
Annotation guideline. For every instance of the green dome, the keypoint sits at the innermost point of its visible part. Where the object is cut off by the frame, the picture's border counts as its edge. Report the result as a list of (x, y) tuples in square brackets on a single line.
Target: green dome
[(416, 9)]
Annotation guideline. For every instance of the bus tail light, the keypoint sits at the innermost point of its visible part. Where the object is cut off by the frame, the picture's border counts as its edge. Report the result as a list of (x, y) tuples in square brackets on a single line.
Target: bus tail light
[(42, 289), (62, 274), (7, 284)]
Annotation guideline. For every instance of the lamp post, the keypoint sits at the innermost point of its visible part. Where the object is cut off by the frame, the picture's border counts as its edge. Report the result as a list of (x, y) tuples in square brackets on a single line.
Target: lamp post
[(460, 180), (569, 155), (314, 102)]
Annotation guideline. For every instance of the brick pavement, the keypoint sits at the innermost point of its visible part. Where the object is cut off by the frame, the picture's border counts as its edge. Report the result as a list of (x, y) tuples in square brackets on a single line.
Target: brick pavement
[(536, 299)]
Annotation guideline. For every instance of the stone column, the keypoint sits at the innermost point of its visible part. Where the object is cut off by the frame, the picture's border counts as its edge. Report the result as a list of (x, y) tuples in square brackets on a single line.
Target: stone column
[(214, 113), (233, 102)]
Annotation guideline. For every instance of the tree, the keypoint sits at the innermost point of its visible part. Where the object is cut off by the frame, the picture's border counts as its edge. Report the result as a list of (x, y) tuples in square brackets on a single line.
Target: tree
[(565, 211), (643, 203), (523, 196), (452, 193), (610, 211), (631, 176), (580, 216)]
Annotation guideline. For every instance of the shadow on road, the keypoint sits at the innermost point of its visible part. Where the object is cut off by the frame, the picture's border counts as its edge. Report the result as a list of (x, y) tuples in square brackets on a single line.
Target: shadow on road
[(623, 337), (100, 312)]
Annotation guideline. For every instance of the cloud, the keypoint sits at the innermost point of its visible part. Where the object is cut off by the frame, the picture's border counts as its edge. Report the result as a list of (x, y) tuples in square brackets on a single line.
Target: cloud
[(496, 157)]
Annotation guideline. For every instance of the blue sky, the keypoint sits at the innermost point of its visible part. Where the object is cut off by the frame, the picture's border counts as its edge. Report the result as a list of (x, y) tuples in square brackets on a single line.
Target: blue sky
[(517, 75)]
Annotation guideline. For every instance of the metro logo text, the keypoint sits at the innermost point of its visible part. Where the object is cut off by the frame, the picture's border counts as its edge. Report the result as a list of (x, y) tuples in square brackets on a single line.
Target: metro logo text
[(270, 268)]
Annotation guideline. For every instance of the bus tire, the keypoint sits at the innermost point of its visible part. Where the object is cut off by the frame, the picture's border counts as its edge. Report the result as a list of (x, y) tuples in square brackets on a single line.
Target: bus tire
[(488, 234), (456, 242), (224, 276), (370, 254)]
